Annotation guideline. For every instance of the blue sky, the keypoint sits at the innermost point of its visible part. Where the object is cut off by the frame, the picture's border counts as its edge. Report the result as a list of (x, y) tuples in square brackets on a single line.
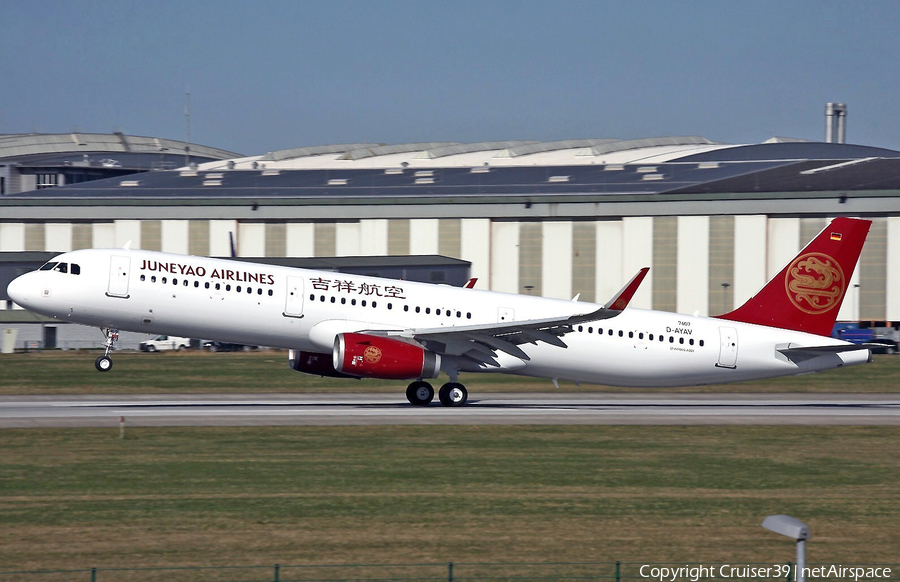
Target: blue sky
[(270, 74)]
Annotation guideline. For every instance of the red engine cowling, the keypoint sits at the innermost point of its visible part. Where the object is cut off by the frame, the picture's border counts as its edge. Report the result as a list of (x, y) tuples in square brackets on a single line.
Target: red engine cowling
[(314, 363), (372, 356)]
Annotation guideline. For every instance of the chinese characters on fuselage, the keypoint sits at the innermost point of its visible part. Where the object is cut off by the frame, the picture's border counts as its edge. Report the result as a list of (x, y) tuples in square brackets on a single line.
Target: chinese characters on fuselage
[(348, 286)]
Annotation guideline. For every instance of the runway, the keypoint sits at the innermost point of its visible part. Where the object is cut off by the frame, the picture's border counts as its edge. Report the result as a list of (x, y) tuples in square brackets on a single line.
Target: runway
[(392, 409)]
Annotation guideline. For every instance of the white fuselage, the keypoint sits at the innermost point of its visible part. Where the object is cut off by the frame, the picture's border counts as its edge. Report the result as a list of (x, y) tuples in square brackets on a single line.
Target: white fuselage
[(300, 309)]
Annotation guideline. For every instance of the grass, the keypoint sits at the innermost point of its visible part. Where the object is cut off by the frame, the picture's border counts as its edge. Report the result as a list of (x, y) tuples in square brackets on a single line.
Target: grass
[(57, 372), (214, 496), (411, 494)]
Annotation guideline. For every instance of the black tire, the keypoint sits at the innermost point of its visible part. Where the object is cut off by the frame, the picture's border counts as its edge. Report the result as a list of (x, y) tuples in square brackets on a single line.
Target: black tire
[(103, 364), (453, 394), (420, 393), (151, 349)]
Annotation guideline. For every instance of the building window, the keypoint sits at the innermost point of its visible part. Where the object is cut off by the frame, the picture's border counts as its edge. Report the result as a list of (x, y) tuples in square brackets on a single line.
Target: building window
[(47, 180)]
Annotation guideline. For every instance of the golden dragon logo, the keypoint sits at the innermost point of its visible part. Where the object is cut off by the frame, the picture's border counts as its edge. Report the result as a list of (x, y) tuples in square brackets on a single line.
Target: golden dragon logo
[(372, 355), (815, 283)]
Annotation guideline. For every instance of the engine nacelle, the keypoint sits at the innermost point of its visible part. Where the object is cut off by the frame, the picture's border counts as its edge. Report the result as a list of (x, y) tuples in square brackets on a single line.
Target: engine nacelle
[(373, 356), (314, 363)]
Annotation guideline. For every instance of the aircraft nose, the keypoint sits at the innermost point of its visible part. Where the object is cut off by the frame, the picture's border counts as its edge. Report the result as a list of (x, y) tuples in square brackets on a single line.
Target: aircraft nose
[(18, 290)]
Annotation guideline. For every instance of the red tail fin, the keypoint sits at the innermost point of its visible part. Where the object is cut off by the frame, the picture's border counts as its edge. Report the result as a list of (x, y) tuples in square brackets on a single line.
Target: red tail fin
[(807, 294)]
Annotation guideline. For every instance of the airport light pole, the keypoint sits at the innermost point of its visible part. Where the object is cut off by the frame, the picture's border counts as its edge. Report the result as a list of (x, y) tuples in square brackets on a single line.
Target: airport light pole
[(792, 528)]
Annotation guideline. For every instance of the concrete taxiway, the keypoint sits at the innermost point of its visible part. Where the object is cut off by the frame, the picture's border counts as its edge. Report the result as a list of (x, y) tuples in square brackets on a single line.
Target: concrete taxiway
[(387, 409)]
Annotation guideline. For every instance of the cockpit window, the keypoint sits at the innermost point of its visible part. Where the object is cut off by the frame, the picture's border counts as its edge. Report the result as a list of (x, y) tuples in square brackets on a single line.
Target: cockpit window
[(76, 269), (62, 268), (48, 266)]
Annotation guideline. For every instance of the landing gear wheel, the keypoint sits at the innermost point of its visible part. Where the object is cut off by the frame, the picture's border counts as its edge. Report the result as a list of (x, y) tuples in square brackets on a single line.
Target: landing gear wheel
[(103, 364), (420, 393), (453, 394)]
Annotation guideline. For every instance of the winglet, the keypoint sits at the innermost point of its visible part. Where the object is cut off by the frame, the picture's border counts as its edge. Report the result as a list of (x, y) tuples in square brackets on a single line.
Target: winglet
[(623, 297), (471, 283)]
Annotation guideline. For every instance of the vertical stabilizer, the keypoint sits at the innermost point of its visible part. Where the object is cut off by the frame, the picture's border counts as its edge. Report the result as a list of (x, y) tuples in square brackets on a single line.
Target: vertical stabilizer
[(807, 294)]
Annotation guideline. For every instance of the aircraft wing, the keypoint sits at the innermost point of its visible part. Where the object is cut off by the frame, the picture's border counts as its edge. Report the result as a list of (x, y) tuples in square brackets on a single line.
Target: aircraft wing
[(481, 343)]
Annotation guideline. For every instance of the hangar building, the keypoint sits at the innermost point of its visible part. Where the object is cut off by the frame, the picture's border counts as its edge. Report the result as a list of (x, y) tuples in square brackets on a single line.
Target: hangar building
[(33, 161), (714, 221)]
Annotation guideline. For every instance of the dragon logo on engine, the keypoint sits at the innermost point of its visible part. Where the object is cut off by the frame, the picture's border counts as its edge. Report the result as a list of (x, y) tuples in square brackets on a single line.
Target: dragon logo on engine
[(372, 355), (815, 283)]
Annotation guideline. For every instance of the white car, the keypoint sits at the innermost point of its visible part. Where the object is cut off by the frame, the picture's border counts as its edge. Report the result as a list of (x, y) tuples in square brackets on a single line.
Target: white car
[(165, 342)]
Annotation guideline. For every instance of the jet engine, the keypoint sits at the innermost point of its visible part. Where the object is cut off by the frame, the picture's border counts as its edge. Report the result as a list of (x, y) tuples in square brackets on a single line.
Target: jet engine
[(372, 356), (315, 364)]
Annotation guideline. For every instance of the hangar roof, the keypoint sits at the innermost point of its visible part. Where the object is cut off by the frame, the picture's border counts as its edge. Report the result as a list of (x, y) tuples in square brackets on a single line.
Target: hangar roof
[(576, 152), (44, 148), (578, 168)]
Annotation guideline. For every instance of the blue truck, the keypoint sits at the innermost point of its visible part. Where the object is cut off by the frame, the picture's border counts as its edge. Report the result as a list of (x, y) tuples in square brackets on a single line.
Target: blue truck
[(851, 332)]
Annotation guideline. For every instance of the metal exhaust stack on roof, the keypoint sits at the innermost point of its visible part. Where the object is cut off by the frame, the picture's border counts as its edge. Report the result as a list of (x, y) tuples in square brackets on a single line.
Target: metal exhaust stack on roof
[(835, 116)]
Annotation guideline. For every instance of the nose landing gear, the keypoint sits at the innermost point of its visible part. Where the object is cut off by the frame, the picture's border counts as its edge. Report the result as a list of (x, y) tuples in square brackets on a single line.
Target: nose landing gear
[(104, 363)]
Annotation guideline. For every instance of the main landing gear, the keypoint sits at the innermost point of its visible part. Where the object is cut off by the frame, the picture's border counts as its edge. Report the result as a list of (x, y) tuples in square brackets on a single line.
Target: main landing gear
[(451, 394), (104, 362)]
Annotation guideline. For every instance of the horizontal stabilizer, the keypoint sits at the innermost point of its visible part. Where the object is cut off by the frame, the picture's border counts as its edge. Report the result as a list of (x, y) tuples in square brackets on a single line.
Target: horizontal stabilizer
[(800, 353)]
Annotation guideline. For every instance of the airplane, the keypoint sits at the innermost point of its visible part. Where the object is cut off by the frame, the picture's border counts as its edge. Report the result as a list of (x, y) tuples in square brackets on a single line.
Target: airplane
[(353, 326)]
